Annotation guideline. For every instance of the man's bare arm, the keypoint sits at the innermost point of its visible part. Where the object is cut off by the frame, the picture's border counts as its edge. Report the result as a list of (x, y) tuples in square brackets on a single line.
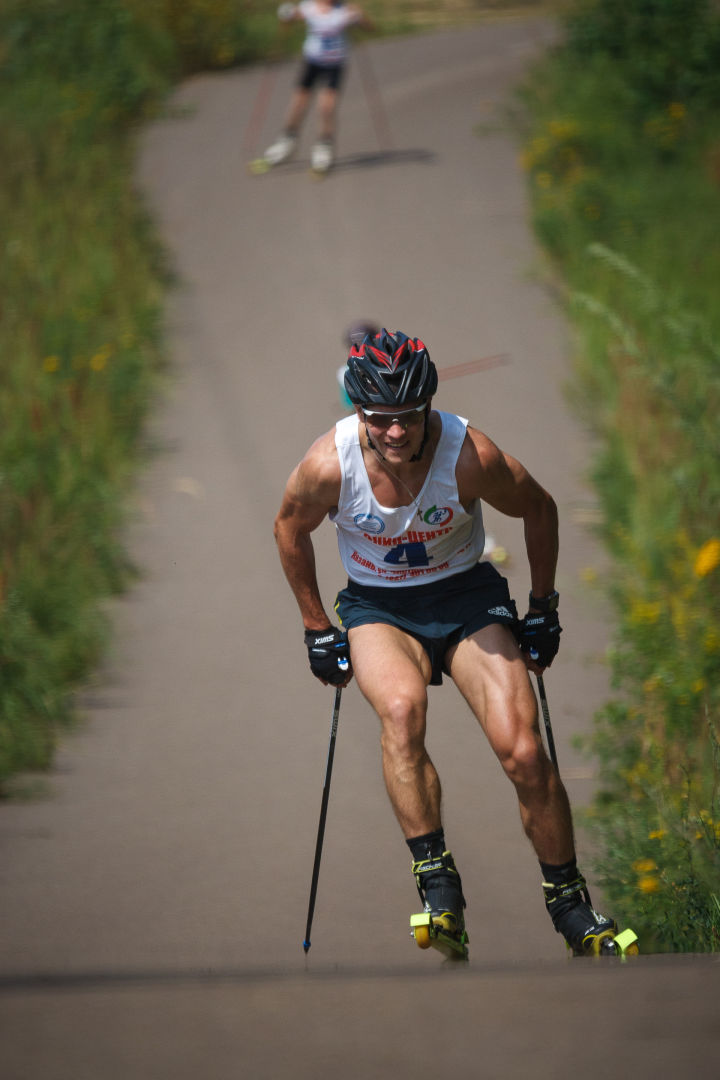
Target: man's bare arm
[(311, 492), (485, 472)]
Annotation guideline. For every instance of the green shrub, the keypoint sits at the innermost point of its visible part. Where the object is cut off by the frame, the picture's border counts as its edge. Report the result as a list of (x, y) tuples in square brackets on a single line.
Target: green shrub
[(621, 158), (665, 50), (82, 284)]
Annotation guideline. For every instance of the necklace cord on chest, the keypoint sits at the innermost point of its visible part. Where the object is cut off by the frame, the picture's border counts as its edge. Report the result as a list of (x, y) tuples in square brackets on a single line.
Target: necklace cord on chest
[(399, 479)]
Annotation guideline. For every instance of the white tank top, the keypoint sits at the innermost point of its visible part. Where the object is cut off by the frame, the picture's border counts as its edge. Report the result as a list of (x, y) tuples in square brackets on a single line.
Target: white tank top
[(405, 545), (325, 42)]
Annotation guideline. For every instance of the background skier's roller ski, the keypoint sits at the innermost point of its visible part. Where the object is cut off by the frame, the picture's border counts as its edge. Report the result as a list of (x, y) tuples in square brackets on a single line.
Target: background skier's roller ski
[(322, 159)]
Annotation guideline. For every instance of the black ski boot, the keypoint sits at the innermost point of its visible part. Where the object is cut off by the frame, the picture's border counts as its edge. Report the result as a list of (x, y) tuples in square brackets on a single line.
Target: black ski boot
[(586, 931), (442, 923)]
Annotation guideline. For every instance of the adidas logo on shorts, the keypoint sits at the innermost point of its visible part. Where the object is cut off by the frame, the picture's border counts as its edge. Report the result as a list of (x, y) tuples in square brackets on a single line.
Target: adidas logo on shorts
[(501, 611)]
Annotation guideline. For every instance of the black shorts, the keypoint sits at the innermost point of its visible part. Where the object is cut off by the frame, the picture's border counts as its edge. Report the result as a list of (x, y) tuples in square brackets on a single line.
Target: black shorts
[(330, 74), (438, 614)]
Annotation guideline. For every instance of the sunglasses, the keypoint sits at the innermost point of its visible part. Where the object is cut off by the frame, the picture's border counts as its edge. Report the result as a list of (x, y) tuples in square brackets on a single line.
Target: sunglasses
[(405, 418)]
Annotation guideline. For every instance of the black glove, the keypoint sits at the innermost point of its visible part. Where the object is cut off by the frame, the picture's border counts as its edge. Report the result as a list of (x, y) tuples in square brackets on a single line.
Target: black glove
[(329, 654), (539, 635)]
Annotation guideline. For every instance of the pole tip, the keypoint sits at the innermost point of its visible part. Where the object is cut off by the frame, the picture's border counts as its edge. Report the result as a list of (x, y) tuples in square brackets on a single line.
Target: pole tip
[(306, 946)]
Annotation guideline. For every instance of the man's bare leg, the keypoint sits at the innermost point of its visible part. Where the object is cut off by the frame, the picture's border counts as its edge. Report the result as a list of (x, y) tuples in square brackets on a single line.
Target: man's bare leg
[(298, 107), (327, 111), (393, 671), (491, 675)]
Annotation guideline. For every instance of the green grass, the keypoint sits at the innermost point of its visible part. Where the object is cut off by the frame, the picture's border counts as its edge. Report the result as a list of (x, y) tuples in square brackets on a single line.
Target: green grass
[(83, 285), (621, 155)]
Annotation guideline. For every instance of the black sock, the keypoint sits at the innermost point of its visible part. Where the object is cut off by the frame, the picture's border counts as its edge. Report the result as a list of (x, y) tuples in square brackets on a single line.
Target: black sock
[(560, 875), (429, 846)]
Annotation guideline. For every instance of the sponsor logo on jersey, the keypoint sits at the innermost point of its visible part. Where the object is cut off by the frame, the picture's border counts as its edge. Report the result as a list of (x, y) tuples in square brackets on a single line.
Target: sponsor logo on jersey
[(411, 537), (369, 523), (397, 575), (438, 515)]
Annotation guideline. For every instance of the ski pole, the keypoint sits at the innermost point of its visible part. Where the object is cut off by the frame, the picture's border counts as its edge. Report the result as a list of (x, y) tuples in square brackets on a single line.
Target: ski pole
[(323, 815), (260, 108), (546, 718), (551, 746), (374, 100)]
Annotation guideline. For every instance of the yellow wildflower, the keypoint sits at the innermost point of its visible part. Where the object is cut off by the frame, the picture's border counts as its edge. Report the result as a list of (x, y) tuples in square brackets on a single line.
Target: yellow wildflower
[(644, 866), (539, 146), (707, 558), (101, 357), (649, 884), (562, 129), (51, 363), (657, 834), (644, 612)]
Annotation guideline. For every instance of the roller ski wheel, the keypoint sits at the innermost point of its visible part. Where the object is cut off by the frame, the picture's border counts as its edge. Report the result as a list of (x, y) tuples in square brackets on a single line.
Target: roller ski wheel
[(434, 932), (586, 931), (441, 925), (609, 943), (259, 166)]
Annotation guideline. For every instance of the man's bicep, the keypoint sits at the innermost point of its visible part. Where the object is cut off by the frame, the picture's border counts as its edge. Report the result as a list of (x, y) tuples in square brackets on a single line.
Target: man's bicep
[(305, 503), (501, 481)]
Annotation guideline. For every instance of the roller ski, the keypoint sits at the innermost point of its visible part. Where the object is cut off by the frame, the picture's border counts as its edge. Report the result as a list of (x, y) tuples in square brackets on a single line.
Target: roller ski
[(441, 924), (322, 157), (586, 931), (278, 152)]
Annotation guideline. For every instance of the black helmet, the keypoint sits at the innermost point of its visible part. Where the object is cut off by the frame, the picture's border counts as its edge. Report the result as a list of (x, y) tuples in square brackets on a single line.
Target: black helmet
[(389, 368)]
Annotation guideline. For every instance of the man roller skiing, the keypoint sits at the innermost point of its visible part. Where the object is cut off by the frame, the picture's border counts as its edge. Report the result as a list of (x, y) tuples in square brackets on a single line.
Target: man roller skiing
[(325, 56), (404, 485)]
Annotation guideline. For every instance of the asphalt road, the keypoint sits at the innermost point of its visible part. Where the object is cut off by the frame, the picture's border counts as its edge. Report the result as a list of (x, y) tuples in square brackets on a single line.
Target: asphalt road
[(155, 885)]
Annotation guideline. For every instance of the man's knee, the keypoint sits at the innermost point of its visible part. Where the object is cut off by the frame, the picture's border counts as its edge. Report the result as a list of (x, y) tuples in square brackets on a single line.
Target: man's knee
[(403, 725), (525, 761)]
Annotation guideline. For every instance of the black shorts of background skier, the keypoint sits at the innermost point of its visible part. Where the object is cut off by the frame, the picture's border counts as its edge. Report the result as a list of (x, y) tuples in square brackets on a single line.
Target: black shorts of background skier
[(325, 54), (404, 485)]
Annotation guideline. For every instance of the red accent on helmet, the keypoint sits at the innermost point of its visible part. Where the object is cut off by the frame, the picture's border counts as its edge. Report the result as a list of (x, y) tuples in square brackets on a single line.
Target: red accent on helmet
[(389, 368)]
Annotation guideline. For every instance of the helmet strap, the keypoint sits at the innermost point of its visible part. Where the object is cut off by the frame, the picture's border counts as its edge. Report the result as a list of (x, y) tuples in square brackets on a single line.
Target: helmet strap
[(426, 431), (372, 445)]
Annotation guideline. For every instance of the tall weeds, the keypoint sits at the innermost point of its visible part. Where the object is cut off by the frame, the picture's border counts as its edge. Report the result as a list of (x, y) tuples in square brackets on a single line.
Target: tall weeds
[(621, 159), (82, 283)]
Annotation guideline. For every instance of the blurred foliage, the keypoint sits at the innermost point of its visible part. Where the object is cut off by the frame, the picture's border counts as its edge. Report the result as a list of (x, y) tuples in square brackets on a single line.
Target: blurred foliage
[(662, 50), (622, 160), (82, 286)]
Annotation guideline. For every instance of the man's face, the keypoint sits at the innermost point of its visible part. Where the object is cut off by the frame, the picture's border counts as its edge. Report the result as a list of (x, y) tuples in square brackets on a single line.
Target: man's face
[(397, 432)]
